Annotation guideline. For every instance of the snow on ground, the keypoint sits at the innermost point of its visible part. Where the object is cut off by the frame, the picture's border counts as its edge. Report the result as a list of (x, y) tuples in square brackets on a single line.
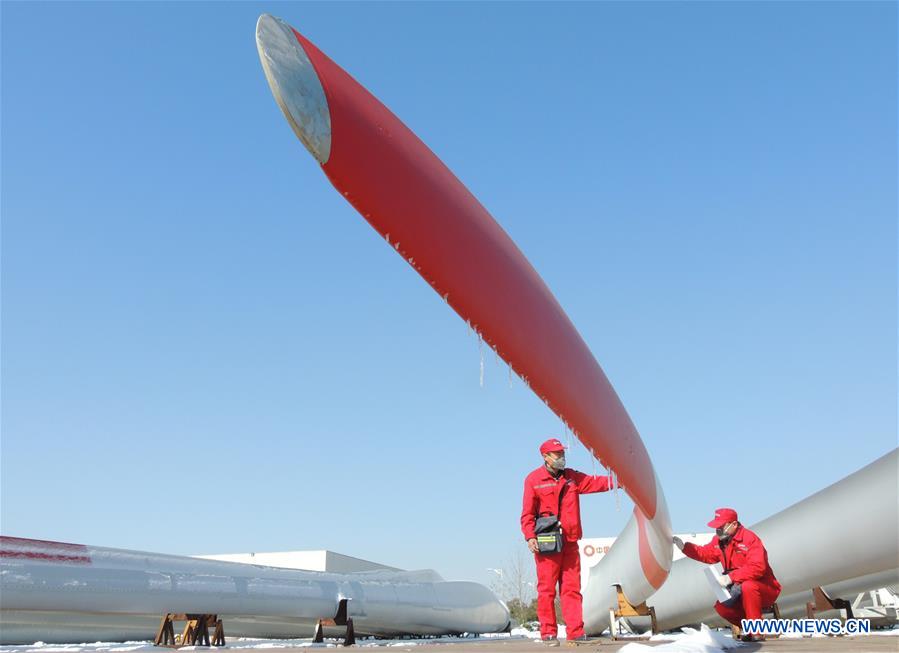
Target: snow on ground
[(524, 632), (517, 633), (690, 640), (252, 643), (104, 647)]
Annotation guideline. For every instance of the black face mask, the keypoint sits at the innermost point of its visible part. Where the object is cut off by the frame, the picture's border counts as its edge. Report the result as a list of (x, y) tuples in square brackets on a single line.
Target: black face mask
[(722, 535)]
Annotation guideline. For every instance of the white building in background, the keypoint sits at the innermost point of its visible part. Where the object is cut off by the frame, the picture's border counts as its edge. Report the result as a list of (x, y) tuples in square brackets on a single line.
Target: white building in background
[(322, 560)]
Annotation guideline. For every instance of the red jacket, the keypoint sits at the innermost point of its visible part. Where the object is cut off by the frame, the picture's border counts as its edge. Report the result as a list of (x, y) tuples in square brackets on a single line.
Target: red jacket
[(743, 557), (541, 498)]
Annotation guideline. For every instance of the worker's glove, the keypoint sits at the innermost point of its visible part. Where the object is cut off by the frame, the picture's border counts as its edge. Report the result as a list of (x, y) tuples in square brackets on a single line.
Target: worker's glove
[(679, 543), (725, 581), (532, 545)]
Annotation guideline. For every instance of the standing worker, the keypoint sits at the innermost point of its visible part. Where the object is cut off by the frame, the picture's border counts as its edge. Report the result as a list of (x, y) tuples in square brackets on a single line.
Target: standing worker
[(746, 570), (551, 523)]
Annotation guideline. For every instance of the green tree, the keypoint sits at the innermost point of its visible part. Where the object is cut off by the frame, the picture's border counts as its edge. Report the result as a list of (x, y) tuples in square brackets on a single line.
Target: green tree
[(523, 612)]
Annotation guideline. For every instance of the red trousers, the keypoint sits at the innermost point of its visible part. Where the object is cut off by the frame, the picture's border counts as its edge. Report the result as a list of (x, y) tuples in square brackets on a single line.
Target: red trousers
[(749, 605), (560, 569)]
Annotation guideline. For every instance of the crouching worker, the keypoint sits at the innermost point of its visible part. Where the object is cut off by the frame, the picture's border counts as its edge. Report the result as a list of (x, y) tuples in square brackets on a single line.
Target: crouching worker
[(551, 523), (747, 573)]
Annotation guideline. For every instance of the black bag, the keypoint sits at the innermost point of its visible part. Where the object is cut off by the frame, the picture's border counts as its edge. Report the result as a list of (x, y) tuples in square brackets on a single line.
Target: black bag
[(549, 534), (548, 529)]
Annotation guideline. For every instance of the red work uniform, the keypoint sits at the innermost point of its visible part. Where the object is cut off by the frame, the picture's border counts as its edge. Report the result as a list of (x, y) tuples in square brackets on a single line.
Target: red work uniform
[(745, 560), (541, 498)]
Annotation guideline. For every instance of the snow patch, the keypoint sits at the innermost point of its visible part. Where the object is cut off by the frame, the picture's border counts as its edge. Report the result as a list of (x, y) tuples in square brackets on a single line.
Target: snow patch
[(261, 644), (689, 640)]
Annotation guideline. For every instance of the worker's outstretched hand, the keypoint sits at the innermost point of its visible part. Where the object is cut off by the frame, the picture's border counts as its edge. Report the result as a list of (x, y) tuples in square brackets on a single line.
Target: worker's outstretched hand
[(679, 543), (724, 580), (532, 544)]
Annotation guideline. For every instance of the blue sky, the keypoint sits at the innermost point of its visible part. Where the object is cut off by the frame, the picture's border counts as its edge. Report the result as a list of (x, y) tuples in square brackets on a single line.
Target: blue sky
[(192, 313)]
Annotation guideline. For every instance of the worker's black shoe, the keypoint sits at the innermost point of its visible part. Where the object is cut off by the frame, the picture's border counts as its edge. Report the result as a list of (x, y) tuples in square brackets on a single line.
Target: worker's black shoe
[(575, 641), (551, 641)]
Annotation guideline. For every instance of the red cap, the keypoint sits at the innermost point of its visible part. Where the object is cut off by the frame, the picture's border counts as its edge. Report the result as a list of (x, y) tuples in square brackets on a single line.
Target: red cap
[(552, 444), (723, 516)]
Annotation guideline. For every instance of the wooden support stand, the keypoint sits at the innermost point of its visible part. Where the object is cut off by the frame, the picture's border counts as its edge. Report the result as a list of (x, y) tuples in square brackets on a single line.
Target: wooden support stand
[(196, 630), (340, 619), (626, 609), (823, 602), (772, 609)]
